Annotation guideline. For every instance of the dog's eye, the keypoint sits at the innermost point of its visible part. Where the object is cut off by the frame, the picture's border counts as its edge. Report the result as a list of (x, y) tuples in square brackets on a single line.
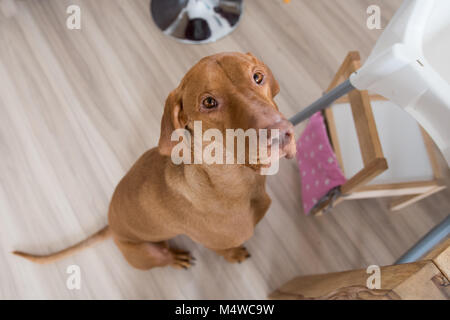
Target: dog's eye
[(258, 77), (209, 102)]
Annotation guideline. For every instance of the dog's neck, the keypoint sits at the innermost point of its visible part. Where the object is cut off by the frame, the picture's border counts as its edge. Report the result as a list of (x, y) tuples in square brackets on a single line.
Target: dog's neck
[(225, 180), (223, 175)]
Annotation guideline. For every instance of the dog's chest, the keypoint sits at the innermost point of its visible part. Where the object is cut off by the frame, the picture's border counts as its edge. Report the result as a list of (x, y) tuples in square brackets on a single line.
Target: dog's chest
[(225, 226), (220, 210)]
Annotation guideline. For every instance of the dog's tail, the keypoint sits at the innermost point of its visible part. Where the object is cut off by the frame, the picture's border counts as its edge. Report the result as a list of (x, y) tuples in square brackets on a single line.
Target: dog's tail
[(88, 242)]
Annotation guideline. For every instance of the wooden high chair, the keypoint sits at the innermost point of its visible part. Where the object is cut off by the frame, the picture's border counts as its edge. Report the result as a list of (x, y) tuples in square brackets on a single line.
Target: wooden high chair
[(397, 160)]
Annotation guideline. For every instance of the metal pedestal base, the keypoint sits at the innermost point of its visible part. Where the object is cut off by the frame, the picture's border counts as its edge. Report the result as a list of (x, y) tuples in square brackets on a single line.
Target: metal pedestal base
[(196, 21)]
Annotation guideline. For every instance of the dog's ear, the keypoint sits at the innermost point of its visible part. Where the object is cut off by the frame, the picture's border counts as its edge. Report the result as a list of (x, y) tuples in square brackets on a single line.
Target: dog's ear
[(172, 119), (274, 86), (251, 55)]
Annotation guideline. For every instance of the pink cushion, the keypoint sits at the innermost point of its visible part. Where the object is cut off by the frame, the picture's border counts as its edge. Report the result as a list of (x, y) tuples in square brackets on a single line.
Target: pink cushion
[(319, 168)]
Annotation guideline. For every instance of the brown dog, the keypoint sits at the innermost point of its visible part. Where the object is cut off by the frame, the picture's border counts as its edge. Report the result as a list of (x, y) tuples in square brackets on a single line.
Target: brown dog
[(215, 205)]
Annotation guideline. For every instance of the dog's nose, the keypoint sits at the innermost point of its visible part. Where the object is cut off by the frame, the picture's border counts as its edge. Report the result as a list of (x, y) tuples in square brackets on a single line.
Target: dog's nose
[(285, 130), (285, 138)]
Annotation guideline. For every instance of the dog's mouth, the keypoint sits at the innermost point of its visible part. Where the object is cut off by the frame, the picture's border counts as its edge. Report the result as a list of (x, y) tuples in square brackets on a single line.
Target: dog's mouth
[(285, 144), (278, 146), (281, 139)]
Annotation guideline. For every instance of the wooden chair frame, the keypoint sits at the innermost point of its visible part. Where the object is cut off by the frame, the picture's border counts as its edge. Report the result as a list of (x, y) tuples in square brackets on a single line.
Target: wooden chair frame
[(427, 278), (371, 151)]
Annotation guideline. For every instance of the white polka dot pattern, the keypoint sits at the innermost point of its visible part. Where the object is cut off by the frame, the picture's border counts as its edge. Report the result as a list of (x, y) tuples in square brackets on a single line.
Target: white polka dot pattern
[(319, 169)]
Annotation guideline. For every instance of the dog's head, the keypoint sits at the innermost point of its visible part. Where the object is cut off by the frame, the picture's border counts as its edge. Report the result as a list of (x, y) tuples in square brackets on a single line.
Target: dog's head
[(227, 91)]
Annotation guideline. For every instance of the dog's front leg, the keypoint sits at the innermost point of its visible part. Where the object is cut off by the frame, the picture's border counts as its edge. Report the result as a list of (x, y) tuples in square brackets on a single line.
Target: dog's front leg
[(234, 255)]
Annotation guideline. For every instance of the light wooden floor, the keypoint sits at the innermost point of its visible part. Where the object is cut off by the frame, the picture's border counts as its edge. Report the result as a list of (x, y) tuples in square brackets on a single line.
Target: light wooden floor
[(78, 107)]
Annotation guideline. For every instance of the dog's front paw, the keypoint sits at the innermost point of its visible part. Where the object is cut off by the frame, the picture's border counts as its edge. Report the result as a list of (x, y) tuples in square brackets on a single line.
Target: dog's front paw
[(181, 259), (236, 255)]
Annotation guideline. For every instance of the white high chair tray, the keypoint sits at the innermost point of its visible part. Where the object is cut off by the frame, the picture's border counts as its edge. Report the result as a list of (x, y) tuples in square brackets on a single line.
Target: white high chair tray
[(410, 66)]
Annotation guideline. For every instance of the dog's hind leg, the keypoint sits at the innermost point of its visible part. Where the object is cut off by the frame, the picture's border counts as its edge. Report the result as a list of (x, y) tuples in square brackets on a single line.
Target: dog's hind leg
[(147, 255)]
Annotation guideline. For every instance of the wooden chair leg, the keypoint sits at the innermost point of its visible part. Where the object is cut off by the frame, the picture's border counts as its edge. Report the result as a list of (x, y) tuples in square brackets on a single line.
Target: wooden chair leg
[(321, 209), (405, 201)]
